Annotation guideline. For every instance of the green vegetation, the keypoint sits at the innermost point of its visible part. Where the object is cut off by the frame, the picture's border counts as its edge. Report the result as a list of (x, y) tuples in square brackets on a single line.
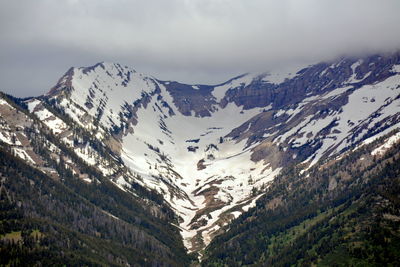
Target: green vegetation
[(355, 223), (339, 213), (60, 219), (43, 221)]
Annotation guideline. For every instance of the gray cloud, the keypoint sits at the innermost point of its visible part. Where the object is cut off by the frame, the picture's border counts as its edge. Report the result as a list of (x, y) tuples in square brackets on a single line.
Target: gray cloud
[(196, 41)]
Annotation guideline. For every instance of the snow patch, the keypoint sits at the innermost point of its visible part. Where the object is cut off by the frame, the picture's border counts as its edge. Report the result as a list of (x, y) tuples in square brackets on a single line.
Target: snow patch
[(162, 167), (54, 123), (388, 144), (396, 68), (379, 99), (32, 104), (5, 103), (19, 152), (6, 137), (121, 181)]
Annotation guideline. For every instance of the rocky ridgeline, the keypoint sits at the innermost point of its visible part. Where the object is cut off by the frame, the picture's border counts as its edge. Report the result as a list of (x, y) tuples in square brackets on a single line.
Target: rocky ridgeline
[(212, 150)]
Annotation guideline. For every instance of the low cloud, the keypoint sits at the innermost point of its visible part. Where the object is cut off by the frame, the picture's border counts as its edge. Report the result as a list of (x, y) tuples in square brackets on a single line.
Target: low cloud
[(194, 41)]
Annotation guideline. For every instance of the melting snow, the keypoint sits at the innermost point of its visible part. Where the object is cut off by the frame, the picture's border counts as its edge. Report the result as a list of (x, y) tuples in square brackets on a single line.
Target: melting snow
[(54, 123), (32, 104), (90, 88), (361, 105), (396, 68), (228, 162), (388, 144), (3, 102), (6, 137), (19, 152), (159, 153)]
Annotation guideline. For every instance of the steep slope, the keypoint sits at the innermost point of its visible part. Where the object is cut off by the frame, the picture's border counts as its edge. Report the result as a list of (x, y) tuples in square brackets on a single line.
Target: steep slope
[(338, 213), (183, 157), (211, 149), (44, 222), (80, 215)]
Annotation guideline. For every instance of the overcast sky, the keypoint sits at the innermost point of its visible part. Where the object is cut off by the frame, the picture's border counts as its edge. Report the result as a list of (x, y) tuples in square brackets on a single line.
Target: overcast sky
[(193, 41)]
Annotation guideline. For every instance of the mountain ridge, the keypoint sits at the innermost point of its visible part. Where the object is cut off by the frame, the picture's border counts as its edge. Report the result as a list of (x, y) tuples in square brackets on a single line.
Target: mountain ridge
[(212, 150)]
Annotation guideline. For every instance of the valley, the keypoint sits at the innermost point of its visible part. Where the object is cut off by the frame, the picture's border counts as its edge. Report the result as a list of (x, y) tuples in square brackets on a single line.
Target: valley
[(200, 156)]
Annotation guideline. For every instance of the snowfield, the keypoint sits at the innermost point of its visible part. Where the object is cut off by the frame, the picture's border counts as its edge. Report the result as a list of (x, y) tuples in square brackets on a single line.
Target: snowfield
[(207, 174)]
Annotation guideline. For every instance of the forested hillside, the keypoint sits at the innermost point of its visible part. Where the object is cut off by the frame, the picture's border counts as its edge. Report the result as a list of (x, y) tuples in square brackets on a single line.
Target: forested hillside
[(49, 214), (116, 167), (339, 213), (45, 222)]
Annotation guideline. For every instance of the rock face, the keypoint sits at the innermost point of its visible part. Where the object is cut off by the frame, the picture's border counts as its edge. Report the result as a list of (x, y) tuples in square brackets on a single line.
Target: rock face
[(192, 99), (312, 80), (210, 150)]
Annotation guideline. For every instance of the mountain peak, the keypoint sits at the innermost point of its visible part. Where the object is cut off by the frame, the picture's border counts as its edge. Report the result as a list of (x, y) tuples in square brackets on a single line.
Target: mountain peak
[(212, 150), (106, 65)]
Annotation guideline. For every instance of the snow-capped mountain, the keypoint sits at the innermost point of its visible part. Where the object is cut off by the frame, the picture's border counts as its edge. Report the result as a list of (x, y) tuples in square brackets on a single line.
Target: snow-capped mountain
[(211, 150)]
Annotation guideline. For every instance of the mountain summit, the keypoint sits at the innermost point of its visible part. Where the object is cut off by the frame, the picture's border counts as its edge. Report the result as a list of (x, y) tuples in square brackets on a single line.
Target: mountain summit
[(211, 151)]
